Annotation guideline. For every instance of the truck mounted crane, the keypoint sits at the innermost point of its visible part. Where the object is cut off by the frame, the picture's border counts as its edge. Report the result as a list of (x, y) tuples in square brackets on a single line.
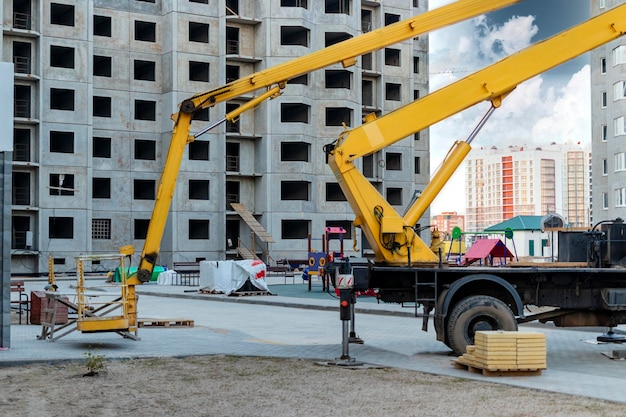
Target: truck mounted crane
[(405, 269), (273, 80)]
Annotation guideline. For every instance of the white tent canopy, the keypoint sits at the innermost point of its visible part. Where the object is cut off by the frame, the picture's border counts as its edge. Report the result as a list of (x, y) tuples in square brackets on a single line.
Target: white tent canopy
[(230, 276)]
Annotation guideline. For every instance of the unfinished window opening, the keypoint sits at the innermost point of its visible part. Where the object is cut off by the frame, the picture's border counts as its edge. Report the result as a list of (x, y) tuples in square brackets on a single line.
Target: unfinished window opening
[(232, 157), (201, 115), (416, 3), (61, 142), (22, 14), (338, 79), (391, 18), (232, 233), (145, 31), (394, 196), (331, 38), (302, 79), (337, 116), (22, 57), (334, 193), (295, 190), (21, 145), (232, 127), (232, 7), (102, 26), (21, 189), (294, 35), (393, 161), (143, 189), (102, 66), (294, 3), (392, 91), (61, 56), (198, 229), (101, 106), (232, 40), (198, 71), (199, 1), (416, 65), (145, 110), (101, 229), (417, 136), (366, 21), (62, 184), (141, 228), (368, 166), (416, 94), (62, 99), (145, 149), (198, 150), (61, 14), (418, 165), (198, 32), (146, 1), (144, 70), (294, 113), (199, 189), (19, 228), (60, 228), (392, 57), (295, 151), (101, 147), (337, 6), (21, 106), (367, 93), (367, 61), (101, 188), (232, 73), (232, 193), (295, 229)]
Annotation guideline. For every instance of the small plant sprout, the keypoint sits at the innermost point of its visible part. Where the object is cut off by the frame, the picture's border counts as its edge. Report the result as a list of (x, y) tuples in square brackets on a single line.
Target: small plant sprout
[(95, 364)]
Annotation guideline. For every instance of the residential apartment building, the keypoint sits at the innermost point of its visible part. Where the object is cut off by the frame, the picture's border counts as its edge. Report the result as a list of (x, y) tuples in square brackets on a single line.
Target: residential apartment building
[(447, 221), (96, 83), (608, 118), (504, 183)]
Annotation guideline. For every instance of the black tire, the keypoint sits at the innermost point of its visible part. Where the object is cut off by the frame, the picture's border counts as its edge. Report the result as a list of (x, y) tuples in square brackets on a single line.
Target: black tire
[(478, 312)]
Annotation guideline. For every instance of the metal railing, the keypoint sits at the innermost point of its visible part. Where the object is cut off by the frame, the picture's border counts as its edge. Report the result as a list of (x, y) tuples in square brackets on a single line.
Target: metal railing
[(21, 21), (22, 108), (232, 163), (22, 64), (232, 47)]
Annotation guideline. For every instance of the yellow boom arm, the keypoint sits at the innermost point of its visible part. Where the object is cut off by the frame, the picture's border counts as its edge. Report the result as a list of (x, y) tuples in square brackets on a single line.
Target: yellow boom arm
[(391, 236), (344, 52)]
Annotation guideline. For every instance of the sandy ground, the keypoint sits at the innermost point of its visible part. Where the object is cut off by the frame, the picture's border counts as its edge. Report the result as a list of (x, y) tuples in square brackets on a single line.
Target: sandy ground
[(246, 386)]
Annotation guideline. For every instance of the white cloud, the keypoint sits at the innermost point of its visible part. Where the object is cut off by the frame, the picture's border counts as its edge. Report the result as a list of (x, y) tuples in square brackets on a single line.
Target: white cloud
[(534, 113)]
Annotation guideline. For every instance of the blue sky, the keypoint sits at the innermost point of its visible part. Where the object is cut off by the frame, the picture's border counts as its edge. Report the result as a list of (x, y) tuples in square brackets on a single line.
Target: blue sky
[(551, 17), (552, 107)]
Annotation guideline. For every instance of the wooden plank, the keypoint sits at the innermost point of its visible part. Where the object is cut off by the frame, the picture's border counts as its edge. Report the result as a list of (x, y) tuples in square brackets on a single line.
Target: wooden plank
[(252, 222), (147, 322), (246, 293), (493, 371)]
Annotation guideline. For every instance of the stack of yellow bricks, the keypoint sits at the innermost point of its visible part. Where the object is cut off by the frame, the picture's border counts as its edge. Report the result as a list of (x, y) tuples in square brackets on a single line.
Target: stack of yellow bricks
[(506, 351)]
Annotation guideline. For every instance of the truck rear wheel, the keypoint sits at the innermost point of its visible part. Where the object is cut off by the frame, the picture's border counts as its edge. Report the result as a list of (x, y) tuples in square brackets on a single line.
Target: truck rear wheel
[(475, 313)]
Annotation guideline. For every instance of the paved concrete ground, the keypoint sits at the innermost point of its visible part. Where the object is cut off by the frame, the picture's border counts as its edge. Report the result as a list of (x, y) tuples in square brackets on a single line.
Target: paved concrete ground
[(296, 323)]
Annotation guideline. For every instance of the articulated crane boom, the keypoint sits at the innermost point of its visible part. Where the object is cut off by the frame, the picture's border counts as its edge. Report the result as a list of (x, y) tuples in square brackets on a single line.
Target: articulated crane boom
[(393, 237), (275, 79)]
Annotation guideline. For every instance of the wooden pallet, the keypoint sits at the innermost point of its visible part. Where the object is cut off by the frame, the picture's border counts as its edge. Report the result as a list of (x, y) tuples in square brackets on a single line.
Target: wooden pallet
[(246, 293), (165, 323), (495, 372)]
